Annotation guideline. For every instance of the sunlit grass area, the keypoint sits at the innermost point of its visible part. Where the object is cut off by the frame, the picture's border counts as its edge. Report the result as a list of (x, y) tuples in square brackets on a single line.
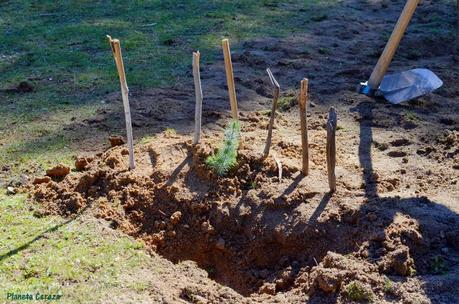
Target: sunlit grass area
[(68, 257), (60, 48)]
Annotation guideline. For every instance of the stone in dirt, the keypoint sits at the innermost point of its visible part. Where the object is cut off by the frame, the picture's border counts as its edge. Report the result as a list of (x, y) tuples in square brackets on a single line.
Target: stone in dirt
[(10, 191), (58, 172), (116, 141), (175, 217)]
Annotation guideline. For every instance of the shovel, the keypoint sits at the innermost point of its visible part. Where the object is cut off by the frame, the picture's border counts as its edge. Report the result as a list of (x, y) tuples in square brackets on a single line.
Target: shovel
[(403, 86)]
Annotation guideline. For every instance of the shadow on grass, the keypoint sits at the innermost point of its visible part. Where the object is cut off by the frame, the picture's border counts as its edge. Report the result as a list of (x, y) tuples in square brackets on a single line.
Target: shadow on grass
[(40, 236)]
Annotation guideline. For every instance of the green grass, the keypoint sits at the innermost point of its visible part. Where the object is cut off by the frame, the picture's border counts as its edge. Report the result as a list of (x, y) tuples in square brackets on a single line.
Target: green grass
[(356, 291), (286, 102), (170, 132), (73, 258), (60, 48), (388, 286)]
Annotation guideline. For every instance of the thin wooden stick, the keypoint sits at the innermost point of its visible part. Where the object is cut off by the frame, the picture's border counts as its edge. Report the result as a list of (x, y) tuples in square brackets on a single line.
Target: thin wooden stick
[(273, 112), (279, 167), (304, 125), (116, 49), (230, 78), (331, 148), (198, 93)]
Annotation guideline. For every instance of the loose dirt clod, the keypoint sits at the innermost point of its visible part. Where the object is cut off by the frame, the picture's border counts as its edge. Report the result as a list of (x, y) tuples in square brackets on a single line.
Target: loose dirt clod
[(58, 171), (81, 162), (116, 141), (41, 180)]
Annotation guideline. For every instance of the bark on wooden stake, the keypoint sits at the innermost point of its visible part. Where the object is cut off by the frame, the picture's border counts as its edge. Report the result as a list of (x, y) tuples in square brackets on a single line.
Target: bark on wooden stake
[(198, 93), (230, 78), (303, 102), (116, 49), (331, 148), (273, 112)]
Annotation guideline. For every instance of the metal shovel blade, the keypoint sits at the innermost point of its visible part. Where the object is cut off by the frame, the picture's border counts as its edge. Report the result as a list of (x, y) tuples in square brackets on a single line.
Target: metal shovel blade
[(408, 85)]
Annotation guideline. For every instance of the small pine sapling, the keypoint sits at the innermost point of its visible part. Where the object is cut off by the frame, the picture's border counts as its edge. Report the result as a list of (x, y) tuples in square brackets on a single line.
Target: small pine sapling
[(226, 156)]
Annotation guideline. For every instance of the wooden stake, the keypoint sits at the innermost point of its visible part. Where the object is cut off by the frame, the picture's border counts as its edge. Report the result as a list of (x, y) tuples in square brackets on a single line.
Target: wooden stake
[(230, 78), (198, 93), (303, 102), (116, 49), (279, 167), (273, 112), (331, 148)]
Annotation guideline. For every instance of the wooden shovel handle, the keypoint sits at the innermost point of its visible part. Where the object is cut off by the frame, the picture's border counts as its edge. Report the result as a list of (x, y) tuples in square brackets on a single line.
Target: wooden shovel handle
[(389, 51)]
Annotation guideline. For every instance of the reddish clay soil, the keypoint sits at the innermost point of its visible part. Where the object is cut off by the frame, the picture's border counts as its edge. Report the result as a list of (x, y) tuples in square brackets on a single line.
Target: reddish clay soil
[(393, 224)]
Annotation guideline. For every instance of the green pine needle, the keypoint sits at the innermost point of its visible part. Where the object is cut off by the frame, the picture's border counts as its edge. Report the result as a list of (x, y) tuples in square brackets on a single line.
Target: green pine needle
[(226, 156)]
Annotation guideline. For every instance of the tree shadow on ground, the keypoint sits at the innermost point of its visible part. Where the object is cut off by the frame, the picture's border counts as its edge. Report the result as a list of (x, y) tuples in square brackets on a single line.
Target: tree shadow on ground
[(434, 218)]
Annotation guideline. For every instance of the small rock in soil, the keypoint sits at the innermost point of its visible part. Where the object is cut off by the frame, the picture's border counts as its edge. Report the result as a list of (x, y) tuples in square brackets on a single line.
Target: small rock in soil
[(10, 191), (175, 217), (220, 244)]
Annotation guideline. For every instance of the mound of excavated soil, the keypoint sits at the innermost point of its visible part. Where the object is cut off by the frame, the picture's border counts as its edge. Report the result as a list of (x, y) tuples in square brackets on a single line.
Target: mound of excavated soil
[(268, 239)]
